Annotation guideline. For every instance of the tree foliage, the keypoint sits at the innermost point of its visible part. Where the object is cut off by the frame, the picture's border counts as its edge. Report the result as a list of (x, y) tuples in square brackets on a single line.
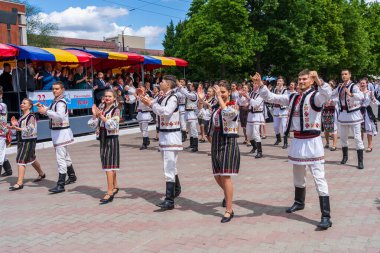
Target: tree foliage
[(231, 38)]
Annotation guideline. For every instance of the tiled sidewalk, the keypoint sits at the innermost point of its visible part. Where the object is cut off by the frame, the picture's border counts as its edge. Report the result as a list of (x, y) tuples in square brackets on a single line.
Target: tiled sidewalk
[(31, 220)]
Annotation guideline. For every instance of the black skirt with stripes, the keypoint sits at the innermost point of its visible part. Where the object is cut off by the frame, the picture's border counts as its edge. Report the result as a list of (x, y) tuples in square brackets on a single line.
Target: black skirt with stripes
[(26, 151), (225, 155), (109, 151)]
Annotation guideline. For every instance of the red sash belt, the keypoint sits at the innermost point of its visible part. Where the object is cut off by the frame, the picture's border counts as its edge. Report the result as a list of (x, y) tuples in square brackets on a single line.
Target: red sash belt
[(300, 135)]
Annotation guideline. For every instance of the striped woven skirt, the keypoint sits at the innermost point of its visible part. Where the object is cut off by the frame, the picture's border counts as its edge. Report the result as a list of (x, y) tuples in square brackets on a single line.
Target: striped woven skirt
[(109, 151), (225, 155), (26, 152)]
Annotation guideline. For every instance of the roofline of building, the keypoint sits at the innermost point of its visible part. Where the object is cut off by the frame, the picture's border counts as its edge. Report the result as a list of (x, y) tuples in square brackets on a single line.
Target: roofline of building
[(114, 37), (12, 2)]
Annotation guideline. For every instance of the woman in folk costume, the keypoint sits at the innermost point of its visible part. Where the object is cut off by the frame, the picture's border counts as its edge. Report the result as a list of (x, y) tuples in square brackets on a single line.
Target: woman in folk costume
[(26, 128), (144, 116), (205, 109), (170, 137), (190, 115), (369, 126), (306, 149), (330, 120), (243, 103), (106, 122), (225, 154), (4, 163)]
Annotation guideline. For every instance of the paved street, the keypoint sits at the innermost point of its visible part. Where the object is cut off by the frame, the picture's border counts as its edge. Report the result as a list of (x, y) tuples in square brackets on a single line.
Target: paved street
[(31, 220)]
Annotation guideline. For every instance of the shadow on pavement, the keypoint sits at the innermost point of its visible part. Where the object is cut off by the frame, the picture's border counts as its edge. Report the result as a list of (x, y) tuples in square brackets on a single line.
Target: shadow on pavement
[(181, 204), (279, 211), (91, 191), (29, 182)]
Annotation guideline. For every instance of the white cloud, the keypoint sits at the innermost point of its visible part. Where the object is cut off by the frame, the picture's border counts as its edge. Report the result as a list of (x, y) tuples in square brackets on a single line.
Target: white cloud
[(95, 23)]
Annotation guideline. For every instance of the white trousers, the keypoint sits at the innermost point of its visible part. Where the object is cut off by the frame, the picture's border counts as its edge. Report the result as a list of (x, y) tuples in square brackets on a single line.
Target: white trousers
[(345, 131), (253, 132), (318, 172), (3, 147), (144, 128), (192, 126), (170, 164), (182, 121), (63, 159), (279, 124)]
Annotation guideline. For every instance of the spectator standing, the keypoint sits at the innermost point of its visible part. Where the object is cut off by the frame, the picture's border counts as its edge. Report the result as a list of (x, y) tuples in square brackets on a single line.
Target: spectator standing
[(6, 78)]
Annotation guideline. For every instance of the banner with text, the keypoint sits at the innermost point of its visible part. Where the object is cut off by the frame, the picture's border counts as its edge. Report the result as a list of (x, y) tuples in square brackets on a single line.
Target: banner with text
[(76, 99)]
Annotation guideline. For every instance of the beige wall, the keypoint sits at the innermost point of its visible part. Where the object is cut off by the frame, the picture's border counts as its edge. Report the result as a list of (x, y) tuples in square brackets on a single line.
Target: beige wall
[(130, 41)]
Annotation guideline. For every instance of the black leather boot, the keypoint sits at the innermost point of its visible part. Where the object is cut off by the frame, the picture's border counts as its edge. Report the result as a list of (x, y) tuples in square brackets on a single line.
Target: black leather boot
[(147, 141), (195, 145), (184, 136), (278, 139), (144, 146), (168, 203), (345, 155), (178, 188), (72, 178), (324, 203), (7, 169), (60, 184), (360, 159), (259, 150), (254, 146), (285, 146), (299, 200), (191, 143)]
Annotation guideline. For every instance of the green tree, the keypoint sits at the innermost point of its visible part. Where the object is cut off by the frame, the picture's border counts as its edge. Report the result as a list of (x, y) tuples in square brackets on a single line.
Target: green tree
[(356, 37), (169, 40), (219, 38), (372, 16), (301, 34)]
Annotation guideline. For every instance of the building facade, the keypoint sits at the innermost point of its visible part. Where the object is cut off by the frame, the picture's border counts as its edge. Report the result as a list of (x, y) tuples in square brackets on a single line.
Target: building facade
[(12, 23), (127, 41)]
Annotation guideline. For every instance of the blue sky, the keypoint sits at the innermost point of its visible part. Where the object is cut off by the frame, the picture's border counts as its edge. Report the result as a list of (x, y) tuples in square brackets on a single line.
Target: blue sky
[(105, 18)]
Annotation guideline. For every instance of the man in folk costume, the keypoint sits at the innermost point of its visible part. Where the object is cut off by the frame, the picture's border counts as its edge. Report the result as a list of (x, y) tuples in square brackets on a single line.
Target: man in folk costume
[(182, 109), (170, 141), (144, 116), (255, 119), (61, 135), (306, 149), (4, 163), (190, 115), (350, 117), (280, 114)]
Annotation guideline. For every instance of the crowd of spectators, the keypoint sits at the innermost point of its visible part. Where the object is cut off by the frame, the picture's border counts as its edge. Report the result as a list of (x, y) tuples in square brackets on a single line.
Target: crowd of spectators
[(29, 77)]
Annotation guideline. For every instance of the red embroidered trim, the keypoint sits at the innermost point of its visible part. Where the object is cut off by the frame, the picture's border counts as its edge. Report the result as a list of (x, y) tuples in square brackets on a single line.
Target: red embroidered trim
[(306, 159)]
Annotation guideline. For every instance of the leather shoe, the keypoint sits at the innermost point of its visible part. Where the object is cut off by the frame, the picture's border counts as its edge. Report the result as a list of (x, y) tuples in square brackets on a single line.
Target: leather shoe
[(16, 187), (106, 200), (227, 219)]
